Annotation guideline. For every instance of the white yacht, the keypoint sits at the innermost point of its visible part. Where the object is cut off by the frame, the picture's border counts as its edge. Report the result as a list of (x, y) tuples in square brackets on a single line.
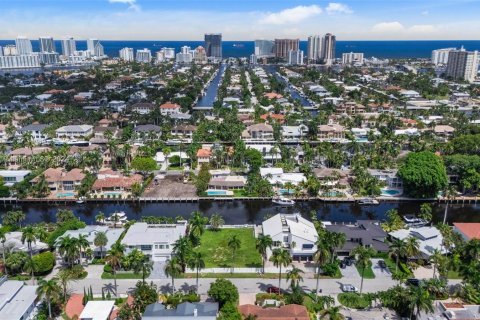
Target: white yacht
[(117, 219), (283, 201), (368, 201)]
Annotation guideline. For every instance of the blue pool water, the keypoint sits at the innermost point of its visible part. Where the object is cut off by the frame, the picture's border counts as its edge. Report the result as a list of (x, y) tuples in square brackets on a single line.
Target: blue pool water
[(390, 192), (217, 193), (112, 193), (286, 191), (333, 194), (65, 195)]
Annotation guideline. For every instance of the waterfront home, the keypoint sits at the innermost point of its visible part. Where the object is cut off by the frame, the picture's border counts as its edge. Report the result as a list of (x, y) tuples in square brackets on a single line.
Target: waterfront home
[(10, 177), (389, 177), (468, 230), (18, 300), (258, 132), (286, 312), (183, 131), (145, 132), (294, 133), (59, 179), (269, 152), (443, 130), (74, 131), (90, 232), (163, 161), (47, 107), (111, 183), (184, 311), (154, 240), (332, 177), (13, 243), (98, 310), (17, 156), (276, 176), (350, 107), (331, 132), (272, 95), (368, 233), (268, 117), (429, 239), (167, 109), (227, 182), (117, 106), (101, 134), (37, 131), (143, 107), (204, 155), (293, 233)]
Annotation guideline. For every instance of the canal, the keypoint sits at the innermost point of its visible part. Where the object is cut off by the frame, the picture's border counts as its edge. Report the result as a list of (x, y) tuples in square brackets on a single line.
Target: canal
[(211, 94), (293, 92), (243, 212)]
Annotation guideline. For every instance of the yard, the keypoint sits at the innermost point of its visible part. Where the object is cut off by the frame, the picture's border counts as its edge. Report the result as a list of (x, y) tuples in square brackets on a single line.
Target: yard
[(368, 273), (217, 254)]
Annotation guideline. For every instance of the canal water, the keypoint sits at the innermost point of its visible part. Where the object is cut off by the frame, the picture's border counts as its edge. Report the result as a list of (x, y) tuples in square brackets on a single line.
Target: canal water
[(245, 212), (293, 92), (210, 95)]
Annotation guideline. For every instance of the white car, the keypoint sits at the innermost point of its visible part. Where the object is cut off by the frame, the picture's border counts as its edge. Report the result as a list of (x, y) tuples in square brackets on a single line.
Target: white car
[(349, 288)]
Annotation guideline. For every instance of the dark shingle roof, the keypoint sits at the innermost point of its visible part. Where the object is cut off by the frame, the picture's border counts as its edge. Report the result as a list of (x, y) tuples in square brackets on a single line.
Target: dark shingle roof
[(185, 309)]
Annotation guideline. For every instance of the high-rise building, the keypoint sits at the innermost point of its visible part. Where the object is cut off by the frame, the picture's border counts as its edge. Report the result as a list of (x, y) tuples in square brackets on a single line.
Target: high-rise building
[(1, 51), (314, 49), (185, 55), (143, 55), (10, 50), (126, 54), (19, 61), (264, 48), (440, 56), (283, 46), (24, 45), (169, 53), (462, 65), (200, 55), (48, 58), (213, 45), (69, 46), (99, 51), (295, 57), (91, 44), (47, 44), (352, 58), (328, 48)]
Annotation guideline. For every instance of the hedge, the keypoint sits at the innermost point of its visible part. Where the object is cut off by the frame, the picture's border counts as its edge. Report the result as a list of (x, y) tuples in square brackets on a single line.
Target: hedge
[(43, 262)]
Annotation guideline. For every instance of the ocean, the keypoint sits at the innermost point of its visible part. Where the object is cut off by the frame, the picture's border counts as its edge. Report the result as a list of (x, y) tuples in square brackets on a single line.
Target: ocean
[(379, 49)]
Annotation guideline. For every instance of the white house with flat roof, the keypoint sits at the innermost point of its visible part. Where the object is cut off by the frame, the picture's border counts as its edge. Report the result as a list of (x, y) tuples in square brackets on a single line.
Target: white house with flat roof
[(97, 310), (74, 131), (429, 239), (17, 300), (10, 177), (154, 240), (293, 233)]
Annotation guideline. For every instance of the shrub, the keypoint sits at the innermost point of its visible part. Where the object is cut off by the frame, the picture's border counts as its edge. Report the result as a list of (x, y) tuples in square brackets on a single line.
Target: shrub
[(78, 272), (261, 297), (223, 291), (354, 300), (43, 262), (107, 268), (229, 311), (330, 269)]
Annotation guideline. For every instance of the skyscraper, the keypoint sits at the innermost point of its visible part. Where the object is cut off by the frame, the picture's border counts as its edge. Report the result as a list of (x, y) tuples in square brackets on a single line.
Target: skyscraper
[(462, 65), (126, 54), (295, 57), (264, 48), (69, 46), (144, 56), (440, 56), (1, 51), (10, 50), (46, 44), (352, 58), (328, 48), (314, 49), (91, 44), (213, 45), (283, 46), (24, 45), (98, 52)]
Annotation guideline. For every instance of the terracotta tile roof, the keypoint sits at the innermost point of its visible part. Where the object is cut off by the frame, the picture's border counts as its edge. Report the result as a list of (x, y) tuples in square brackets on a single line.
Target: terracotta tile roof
[(117, 182), (470, 230), (273, 95), (288, 312), (54, 91), (204, 153), (169, 106), (279, 117), (74, 305), (28, 151), (59, 174)]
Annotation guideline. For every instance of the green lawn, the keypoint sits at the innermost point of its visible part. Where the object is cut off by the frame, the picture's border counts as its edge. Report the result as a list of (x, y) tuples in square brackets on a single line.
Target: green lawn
[(353, 300), (452, 274), (214, 247), (123, 275), (239, 193), (368, 274), (233, 275)]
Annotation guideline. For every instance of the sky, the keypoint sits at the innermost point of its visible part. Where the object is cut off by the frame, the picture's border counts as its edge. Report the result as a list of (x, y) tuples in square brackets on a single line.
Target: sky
[(241, 19)]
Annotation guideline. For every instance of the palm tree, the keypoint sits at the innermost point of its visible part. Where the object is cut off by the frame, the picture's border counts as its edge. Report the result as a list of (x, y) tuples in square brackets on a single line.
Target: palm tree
[(364, 254), (29, 236), (3, 239), (68, 248), (196, 262), (412, 247), (294, 276), (100, 217), (321, 256), (216, 221), (197, 226), (50, 290), (437, 260), (332, 313), (101, 241), (419, 300), (173, 269), (29, 267), (397, 249), (83, 244), (280, 258), (114, 258), (63, 277), (263, 243), (143, 265), (182, 249), (234, 244)]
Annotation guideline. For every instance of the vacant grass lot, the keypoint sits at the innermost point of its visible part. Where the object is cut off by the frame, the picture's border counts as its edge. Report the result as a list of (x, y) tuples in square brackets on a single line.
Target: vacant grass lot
[(217, 254)]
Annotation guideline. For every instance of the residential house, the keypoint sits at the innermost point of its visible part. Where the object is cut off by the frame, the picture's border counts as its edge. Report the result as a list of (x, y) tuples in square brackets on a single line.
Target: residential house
[(117, 106), (331, 132), (204, 155), (52, 107), (17, 156), (468, 230), (111, 182), (429, 239), (331, 176), (276, 176), (100, 135), (143, 107), (183, 131), (227, 182), (443, 130), (154, 240), (410, 94), (269, 152), (184, 311), (389, 177), (368, 233), (97, 310), (74, 131), (90, 232), (167, 109), (10, 177), (59, 179), (286, 312), (17, 300), (147, 132), (13, 243), (273, 116), (350, 107), (294, 133), (260, 131), (37, 131), (272, 95), (294, 233)]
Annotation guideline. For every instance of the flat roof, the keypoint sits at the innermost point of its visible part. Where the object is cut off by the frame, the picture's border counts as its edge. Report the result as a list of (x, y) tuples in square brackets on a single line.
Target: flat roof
[(15, 299), (97, 310)]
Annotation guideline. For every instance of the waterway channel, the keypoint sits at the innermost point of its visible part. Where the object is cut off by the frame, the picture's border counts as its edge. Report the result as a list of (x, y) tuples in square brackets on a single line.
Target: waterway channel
[(211, 92), (244, 212)]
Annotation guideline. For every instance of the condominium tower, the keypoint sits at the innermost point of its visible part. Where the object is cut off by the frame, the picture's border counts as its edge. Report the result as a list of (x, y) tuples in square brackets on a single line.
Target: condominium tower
[(328, 48), (69, 46), (144, 56), (213, 45), (283, 46), (440, 56), (314, 53), (264, 48), (126, 54), (462, 65), (23, 45), (46, 44)]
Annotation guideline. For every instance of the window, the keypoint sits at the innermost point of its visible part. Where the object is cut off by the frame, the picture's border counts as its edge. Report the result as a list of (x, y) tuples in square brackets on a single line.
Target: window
[(307, 246), (145, 247), (285, 238)]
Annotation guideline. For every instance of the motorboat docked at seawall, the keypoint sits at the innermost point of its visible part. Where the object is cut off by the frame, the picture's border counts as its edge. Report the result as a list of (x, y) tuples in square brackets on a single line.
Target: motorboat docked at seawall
[(414, 221), (80, 200), (116, 219), (283, 201), (368, 201)]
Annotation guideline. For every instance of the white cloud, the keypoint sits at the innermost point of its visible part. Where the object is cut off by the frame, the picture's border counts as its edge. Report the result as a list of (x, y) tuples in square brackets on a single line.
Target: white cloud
[(132, 4), (422, 28), (425, 13), (292, 15), (388, 27), (335, 7)]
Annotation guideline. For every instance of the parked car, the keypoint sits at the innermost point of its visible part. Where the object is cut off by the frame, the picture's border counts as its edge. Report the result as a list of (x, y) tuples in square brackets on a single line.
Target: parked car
[(382, 264), (343, 264), (414, 282), (273, 289), (349, 288), (349, 260)]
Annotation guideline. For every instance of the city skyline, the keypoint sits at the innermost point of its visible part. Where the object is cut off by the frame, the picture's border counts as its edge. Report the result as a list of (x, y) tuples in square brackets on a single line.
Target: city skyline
[(139, 19)]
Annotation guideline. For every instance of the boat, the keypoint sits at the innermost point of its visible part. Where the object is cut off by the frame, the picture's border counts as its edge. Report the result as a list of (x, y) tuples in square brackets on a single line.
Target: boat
[(117, 219), (368, 201), (283, 201), (80, 200), (414, 221)]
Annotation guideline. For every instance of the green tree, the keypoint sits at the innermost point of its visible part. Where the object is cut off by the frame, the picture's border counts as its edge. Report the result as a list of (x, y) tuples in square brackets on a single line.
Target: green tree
[(294, 275), (216, 222), (196, 262), (419, 300), (263, 244), (234, 244), (425, 212), (101, 241), (364, 256), (223, 291), (29, 236), (173, 269), (144, 165), (197, 225), (50, 290), (114, 258), (182, 249), (280, 258), (397, 249), (63, 277), (202, 180), (332, 313)]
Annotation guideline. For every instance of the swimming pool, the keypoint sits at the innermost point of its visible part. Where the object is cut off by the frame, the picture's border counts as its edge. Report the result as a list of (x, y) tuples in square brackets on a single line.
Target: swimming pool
[(391, 192), (219, 193), (333, 194), (65, 195), (113, 194), (287, 191)]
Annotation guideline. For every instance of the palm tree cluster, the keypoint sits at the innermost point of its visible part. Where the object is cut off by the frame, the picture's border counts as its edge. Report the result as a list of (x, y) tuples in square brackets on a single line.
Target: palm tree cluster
[(73, 249)]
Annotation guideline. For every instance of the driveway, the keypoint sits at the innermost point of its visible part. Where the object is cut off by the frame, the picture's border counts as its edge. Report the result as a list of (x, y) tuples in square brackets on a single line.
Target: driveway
[(350, 274), (158, 271), (380, 273)]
